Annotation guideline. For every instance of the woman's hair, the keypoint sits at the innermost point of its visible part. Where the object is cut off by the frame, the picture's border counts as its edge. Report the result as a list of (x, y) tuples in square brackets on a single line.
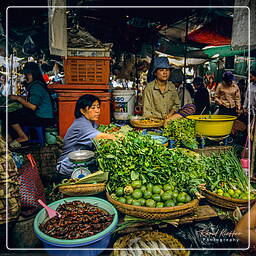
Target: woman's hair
[(85, 101)]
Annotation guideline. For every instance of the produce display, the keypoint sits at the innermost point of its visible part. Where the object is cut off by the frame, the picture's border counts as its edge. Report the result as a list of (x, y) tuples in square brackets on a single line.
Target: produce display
[(226, 177), (144, 123), (78, 220), (143, 172), (182, 131)]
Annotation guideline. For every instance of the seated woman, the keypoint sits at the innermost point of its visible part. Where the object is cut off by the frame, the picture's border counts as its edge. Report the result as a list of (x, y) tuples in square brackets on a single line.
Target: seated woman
[(80, 134), (37, 109), (160, 98)]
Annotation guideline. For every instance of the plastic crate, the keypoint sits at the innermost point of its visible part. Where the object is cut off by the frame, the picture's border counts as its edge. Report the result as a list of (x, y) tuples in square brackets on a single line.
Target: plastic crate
[(87, 70)]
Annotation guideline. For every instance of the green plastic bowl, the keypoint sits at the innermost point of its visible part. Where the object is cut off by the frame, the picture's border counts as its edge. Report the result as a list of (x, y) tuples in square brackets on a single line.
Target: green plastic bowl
[(42, 215)]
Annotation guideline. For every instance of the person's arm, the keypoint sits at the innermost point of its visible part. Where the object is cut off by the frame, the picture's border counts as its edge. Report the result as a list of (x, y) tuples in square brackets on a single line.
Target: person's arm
[(217, 96), (108, 136), (244, 227), (25, 103), (148, 106), (238, 99)]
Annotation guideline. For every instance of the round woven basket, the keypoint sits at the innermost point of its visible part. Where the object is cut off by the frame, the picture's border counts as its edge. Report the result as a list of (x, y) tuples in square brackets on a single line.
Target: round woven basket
[(153, 213), (225, 202), (140, 124), (168, 240), (82, 189)]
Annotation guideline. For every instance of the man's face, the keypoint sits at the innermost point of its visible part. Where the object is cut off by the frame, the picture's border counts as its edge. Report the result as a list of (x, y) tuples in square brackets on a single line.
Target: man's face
[(163, 74)]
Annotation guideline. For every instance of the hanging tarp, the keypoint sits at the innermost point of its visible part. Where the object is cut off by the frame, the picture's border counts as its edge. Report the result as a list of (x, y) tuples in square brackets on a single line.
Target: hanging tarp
[(179, 61), (240, 33), (57, 28), (222, 51)]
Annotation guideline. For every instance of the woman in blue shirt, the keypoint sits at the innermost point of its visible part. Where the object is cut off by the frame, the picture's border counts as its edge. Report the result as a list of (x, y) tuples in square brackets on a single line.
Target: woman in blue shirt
[(37, 107), (80, 134)]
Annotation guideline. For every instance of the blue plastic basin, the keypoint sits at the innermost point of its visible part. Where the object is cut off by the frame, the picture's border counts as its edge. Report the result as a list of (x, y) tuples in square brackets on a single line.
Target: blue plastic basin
[(98, 242)]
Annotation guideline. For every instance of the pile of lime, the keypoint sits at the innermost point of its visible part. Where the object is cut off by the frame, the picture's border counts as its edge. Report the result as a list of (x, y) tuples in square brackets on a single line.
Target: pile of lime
[(235, 193), (150, 195)]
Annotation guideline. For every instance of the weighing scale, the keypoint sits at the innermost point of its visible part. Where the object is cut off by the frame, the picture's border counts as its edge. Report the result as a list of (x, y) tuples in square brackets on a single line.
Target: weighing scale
[(81, 159)]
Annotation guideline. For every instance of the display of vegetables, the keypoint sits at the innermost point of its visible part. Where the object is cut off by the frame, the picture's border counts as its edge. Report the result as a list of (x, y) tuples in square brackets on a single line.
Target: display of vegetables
[(78, 220), (182, 131), (225, 175), (141, 159)]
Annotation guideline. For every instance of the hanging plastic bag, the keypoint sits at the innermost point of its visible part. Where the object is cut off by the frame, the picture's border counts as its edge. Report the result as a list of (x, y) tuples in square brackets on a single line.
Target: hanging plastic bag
[(29, 47), (31, 186)]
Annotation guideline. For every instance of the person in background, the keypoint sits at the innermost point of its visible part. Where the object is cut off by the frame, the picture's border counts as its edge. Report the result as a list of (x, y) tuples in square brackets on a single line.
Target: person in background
[(228, 96), (252, 95), (37, 107), (160, 98), (201, 98), (243, 88), (177, 78), (210, 83), (80, 134)]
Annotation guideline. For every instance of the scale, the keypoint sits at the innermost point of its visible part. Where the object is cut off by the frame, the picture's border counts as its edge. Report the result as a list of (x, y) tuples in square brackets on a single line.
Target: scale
[(81, 159)]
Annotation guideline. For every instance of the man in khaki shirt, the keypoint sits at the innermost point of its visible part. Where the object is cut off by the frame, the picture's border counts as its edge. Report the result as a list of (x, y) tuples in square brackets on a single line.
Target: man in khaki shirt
[(160, 98)]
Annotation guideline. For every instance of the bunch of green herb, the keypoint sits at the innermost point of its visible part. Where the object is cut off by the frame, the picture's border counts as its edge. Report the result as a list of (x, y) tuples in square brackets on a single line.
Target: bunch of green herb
[(182, 131)]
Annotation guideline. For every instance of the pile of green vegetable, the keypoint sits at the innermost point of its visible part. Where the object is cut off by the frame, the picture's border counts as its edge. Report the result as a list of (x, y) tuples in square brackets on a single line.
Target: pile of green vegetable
[(182, 131), (225, 175), (144, 160)]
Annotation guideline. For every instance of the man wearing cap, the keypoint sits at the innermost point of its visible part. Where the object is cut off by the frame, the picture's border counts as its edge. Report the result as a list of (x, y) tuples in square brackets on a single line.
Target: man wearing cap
[(160, 98), (228, 96)]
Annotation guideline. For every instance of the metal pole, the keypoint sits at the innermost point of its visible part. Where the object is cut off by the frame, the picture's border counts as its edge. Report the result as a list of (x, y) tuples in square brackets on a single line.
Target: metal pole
[(185, 62), (11, 84)]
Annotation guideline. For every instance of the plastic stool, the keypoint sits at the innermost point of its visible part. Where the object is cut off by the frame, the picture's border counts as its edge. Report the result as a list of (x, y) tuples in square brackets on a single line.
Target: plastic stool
[(39, 132)]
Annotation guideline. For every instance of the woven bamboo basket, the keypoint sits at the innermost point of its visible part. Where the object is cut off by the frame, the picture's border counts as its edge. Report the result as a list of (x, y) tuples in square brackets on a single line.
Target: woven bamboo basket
[(168, 240), (141, 124), (225, 202), (82, 189), (153, 213)]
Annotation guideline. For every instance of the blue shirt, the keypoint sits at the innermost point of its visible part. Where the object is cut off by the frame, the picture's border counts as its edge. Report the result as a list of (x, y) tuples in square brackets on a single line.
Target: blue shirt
[(41, 98), (78, 137)]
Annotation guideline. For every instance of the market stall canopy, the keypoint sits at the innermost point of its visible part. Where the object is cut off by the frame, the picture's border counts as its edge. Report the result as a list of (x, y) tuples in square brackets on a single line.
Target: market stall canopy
[(241, 26), (179, 61)]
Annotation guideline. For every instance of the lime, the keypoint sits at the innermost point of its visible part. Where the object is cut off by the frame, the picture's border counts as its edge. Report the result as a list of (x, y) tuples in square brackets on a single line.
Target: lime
[(142, 201), (113, 195), (136, 184), (119, 191), (128, 190), (238, 191), (159, 204), (150, 203), (220, 191), (156, 197), (129, 201), (227, 194), (175, 194), (137, 194), (179, 204), (147, 194), (136, 203), (122, 200), (169, 203), (237, 196), (188, 198), (128, 197), (166, 196), (244, 196), (167, 187), (156, 189), (149, 186), (181, 198), (143, 188), (231, 192)]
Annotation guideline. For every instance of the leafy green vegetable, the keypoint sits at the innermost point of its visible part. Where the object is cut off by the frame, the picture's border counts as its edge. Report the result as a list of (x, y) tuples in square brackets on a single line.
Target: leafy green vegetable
[(182, 131)]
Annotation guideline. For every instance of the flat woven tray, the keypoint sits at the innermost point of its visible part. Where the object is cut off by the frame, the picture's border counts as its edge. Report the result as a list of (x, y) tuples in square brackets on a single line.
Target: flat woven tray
[(82, 189), (168, 240), (140, 123), (153, 213), (225, 202)]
